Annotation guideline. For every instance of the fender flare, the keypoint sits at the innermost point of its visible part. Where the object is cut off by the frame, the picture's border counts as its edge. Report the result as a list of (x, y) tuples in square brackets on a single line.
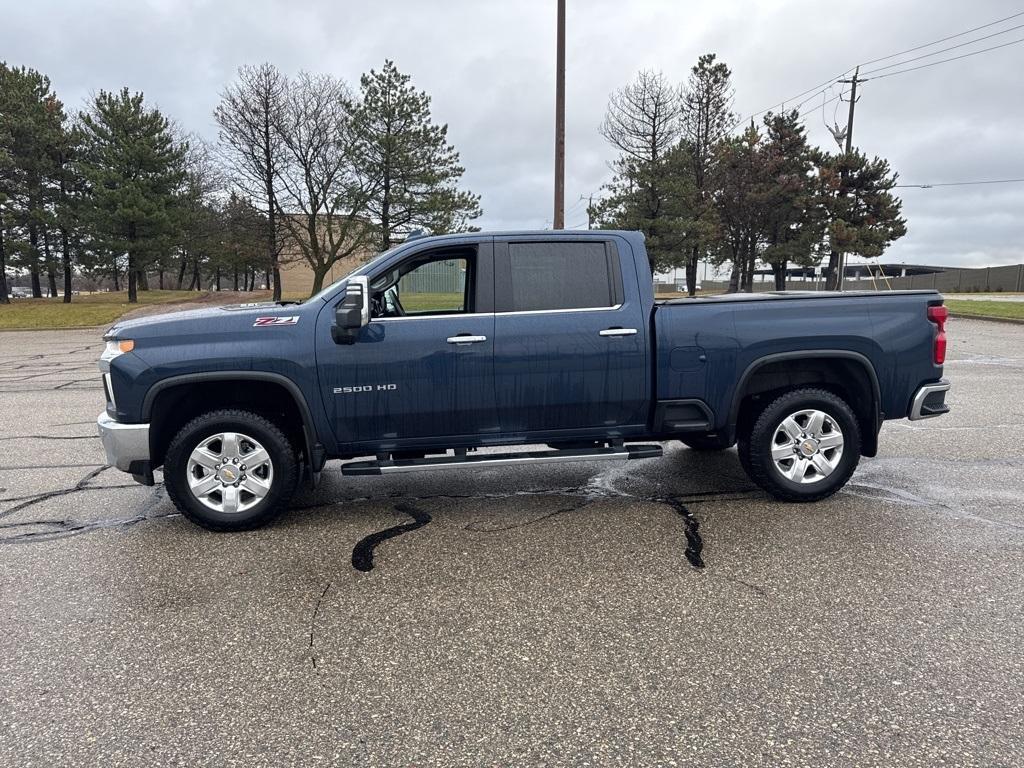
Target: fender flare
[(314, 451), (870, 441)]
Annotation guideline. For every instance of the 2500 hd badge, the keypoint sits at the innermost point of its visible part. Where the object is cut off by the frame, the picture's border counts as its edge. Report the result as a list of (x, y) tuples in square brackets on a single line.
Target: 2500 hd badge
[(367, 388)]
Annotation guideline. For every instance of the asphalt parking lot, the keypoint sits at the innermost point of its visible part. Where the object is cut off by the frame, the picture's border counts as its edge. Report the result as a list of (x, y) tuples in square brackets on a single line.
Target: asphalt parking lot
[(527, 616)]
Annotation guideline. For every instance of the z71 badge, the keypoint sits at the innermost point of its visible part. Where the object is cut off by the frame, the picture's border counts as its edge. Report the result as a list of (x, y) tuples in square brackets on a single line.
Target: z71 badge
[(286, 320)]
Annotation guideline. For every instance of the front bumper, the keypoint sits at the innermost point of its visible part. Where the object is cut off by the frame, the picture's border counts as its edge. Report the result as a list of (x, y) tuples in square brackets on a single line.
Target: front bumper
[(929, 401), (126, 445)]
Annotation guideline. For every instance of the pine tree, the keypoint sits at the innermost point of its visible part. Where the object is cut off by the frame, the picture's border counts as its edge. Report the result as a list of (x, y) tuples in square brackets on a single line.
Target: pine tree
[(134, 168), (794, 214), (740, 199), (706, 122), (31, 120), (863, 214), (407, 161), (243, 234)]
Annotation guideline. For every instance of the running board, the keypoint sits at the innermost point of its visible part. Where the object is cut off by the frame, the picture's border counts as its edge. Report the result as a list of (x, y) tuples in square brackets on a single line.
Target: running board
[(500, 459)]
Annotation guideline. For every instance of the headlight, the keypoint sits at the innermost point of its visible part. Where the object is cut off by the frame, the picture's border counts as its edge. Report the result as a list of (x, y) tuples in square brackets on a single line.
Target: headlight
[(116, 347)]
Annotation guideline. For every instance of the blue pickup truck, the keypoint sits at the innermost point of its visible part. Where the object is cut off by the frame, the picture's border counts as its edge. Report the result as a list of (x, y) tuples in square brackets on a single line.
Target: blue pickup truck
[(446, 351)]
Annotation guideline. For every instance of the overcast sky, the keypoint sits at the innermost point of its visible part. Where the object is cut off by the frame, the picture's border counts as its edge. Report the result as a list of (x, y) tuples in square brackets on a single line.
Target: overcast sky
[(489, 67)]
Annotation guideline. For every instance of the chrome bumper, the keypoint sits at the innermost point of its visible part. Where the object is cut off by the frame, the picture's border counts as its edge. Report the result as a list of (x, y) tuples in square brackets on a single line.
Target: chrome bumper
[(124, 443), (929, 401)]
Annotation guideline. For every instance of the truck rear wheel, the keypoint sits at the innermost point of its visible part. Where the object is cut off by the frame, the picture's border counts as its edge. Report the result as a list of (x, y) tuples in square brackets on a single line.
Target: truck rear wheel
[(230, 470), (803, 446)]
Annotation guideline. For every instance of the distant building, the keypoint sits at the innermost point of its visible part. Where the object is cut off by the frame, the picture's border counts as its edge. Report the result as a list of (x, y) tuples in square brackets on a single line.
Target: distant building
[(297, 275)]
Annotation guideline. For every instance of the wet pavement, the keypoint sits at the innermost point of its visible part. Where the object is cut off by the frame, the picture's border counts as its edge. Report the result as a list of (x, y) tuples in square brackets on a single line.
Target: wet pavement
[(518, 616)]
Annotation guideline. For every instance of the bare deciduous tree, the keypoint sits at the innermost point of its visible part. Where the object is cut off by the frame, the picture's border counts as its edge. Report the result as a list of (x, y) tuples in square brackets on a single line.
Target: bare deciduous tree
[(322, 205), (643, 120), (249, 116)]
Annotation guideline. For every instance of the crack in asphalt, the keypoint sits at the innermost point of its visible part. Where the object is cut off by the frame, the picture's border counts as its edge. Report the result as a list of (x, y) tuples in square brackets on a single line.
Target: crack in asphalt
[(44, 466), (60, 529), (472, 526), (694, 541), (28, 501), (362, 552), (312, 622), (597, 488), (49, 437)]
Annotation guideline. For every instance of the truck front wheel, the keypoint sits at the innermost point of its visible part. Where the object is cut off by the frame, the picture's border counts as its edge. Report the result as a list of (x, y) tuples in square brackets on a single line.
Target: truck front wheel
[(230, 470), (803, 446)]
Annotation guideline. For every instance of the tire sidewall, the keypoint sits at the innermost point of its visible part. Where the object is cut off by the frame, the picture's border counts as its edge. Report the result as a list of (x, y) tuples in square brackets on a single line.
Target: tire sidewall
[(282, 456), (763, 434)]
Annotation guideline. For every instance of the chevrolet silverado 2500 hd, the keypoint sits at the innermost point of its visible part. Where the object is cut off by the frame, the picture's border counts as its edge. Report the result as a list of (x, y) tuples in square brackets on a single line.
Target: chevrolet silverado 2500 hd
[(446, 345)]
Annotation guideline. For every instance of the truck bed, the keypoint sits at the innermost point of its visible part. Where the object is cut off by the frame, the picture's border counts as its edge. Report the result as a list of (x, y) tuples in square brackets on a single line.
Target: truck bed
[(784, 295)]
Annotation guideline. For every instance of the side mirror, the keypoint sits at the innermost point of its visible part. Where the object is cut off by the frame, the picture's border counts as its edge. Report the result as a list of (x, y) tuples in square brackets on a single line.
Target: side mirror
[(353, 312)]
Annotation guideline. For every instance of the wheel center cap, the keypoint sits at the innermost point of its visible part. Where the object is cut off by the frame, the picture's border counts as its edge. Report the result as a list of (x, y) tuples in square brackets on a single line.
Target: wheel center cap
[(809, 447), (227, 475)]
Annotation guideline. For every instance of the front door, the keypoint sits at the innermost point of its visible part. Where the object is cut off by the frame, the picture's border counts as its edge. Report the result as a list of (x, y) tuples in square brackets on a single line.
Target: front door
[(422, 370), (571, 338)]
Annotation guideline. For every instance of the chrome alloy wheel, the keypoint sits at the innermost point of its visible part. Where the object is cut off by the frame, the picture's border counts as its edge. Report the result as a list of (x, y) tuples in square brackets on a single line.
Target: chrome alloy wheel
[(807, 446), (230, 472)]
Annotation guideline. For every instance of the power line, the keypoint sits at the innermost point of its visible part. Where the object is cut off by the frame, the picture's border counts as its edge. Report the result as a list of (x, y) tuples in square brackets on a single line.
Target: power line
[(943, 61), (942, 40), (960, 183), (819, 89), (822, 87), (943, 50)]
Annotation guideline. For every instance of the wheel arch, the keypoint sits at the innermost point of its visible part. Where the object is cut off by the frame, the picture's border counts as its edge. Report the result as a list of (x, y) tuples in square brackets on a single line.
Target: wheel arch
[(849, 374), (166, 406)]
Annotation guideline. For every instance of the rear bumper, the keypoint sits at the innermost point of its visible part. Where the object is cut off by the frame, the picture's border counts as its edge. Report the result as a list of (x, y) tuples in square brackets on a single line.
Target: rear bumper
[(929, 401), (126, 445)]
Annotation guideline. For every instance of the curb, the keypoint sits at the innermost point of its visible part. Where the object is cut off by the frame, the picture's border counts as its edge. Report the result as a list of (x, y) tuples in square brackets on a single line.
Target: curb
[(987, 318), (60, 328)]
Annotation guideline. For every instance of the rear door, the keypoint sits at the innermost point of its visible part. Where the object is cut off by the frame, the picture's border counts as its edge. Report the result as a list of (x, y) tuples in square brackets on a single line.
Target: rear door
[(570, 351)]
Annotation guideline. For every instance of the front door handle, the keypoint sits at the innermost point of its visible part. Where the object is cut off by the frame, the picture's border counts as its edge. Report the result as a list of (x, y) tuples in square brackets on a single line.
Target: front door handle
[(619, 332), (465, 338)]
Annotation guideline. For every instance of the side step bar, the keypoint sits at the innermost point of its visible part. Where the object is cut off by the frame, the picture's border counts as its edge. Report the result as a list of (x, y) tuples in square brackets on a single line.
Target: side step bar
[(500, 459)]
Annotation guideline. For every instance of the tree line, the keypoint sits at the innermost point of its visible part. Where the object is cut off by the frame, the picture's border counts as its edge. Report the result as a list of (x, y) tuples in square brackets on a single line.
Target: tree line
[(303, 167), (702, 187)]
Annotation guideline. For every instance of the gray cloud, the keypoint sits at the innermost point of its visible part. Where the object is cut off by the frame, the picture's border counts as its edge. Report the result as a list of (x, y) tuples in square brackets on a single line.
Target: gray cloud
[(489, 68)]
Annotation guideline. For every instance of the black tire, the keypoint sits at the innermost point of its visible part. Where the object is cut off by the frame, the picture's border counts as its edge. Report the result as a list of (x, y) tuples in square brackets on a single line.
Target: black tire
[(705, 443), (282, 456), (755, 445)]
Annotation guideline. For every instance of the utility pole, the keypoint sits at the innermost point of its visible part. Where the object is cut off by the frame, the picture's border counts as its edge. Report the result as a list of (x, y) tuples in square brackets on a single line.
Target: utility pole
[(590, 220), (559, 218), (849, 149), (3, 261)]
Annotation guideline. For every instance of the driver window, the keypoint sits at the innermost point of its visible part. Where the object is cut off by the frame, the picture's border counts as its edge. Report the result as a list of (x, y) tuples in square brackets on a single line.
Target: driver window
[(435, 287)]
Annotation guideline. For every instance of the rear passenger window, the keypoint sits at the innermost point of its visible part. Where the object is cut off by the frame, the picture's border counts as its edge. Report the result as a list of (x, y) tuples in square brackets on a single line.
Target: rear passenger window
[(559, 276)]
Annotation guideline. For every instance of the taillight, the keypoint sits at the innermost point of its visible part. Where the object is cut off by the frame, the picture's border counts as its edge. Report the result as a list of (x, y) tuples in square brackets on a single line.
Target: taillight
[(938, 316)]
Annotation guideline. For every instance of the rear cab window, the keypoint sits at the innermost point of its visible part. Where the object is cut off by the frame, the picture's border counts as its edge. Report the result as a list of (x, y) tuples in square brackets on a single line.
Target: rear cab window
[(538, 276)]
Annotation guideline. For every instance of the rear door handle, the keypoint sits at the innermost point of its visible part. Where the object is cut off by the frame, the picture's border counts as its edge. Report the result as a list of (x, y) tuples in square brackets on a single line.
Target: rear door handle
[(618, 332), (465, 338)]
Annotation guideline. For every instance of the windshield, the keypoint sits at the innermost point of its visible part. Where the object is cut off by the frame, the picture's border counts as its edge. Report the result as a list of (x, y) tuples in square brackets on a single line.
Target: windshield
[(360, 270)]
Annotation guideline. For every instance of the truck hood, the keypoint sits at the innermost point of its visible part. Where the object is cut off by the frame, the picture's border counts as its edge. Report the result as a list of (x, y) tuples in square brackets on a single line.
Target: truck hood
[(233, 317)]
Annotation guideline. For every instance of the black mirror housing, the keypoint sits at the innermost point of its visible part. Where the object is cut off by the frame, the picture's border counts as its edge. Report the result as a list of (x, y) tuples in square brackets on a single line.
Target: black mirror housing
[(353, 312)]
